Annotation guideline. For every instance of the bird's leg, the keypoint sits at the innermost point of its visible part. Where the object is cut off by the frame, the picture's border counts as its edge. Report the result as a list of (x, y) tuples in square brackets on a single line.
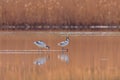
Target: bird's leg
[(39, 52), (62, 50), (48, 55)]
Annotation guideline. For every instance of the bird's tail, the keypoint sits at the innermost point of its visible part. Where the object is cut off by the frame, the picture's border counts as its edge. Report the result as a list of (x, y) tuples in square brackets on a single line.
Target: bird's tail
[(58, 44), (34, 42)]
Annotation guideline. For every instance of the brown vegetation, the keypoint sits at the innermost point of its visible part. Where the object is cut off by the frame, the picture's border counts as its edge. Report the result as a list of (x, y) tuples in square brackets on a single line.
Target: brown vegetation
[(59, 12)]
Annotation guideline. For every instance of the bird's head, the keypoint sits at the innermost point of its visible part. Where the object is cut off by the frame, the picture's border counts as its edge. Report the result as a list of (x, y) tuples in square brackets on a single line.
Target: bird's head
[(47, 47), (67, 38)]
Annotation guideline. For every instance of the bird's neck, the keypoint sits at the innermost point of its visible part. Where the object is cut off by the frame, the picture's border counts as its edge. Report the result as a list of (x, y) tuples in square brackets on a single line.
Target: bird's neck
[(67, 39)]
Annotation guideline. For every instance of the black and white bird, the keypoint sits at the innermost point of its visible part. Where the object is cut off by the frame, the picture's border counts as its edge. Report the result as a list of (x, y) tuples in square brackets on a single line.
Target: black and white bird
[(64, 57), (64, 43), (41, 44)]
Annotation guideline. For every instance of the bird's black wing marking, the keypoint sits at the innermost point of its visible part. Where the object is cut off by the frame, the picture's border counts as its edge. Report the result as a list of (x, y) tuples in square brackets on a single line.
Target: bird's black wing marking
[(62, 43), (38, 43)]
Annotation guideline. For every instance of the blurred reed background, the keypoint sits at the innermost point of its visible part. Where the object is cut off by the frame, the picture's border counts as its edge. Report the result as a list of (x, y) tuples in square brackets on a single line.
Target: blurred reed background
[(59, 12)]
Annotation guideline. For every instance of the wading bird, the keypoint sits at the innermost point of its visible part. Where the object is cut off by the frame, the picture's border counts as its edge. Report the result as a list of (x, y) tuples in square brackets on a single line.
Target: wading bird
[(64, 57), (64, 43), (41, 45)]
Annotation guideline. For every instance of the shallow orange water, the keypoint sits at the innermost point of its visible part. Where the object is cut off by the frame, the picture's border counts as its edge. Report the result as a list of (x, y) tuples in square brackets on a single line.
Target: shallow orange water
[(91, 57)]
